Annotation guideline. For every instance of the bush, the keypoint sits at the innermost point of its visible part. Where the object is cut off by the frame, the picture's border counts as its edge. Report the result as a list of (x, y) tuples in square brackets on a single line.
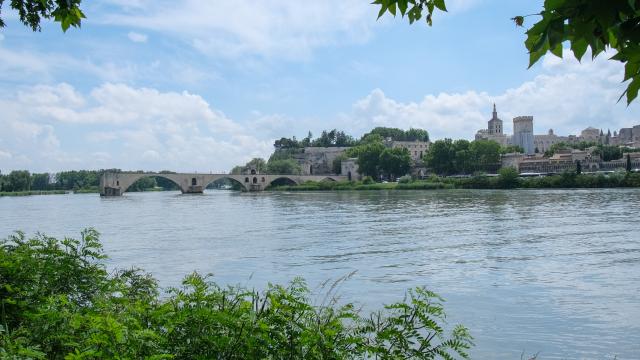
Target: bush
[(405, 179), (508, 178), (58, 301), (368, 180)]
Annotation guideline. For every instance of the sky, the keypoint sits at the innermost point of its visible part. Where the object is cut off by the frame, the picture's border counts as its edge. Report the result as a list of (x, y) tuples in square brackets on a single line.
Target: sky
[(203, 86)]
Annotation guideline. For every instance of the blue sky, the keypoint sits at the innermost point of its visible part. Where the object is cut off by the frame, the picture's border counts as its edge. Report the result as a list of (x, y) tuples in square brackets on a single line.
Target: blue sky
[(204, 86)]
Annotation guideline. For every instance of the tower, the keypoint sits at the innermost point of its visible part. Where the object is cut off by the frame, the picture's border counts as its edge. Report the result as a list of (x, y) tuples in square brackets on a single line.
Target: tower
[(523, 133), (495, 124)]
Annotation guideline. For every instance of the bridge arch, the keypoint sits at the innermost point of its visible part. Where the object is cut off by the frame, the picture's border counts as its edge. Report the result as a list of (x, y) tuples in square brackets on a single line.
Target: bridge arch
[(126, 182), (234, 179), (329, 178), (282, 178)]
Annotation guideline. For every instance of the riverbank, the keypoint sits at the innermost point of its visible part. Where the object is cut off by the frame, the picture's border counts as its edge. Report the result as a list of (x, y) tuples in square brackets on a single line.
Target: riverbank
[(29, 193), (562, 181)]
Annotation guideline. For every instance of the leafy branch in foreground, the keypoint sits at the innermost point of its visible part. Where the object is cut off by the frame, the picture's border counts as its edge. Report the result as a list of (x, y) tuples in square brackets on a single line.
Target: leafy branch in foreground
[(412, 9), (597, 25), (31, 12), (59, 302)]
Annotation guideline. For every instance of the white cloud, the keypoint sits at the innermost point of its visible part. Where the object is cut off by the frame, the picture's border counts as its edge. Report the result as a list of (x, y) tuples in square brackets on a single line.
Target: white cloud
[(567, 96), (137, 37), (278, 28), (24, 65), (116, 125)]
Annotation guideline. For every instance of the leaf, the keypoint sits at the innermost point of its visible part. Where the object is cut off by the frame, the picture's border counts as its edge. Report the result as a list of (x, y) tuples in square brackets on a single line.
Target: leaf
[(402, 5), (392, 9), (519, 20), (632, 90), (440, 5), (579, 48), (557, 50)]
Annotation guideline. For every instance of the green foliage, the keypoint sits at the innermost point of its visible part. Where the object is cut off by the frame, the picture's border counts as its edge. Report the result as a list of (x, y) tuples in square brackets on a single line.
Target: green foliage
[(31, 12), (589, 24), (396, 134), (412, 9), (256, 163), (463, 157), (17, 180), (59, 302), (285, 167), (332, 138), (142, 184), (394, 162), (508, 178), (369, 159), (511, 149), (405, 179)]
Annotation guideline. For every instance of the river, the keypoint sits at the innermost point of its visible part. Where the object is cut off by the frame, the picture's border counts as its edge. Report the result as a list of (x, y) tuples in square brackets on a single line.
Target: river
[(549, 271)]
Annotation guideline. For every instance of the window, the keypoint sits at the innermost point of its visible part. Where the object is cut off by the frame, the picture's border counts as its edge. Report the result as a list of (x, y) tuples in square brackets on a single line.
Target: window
[(246, 179), (263, 179), (255, 180), (118, 183), (193, 181), (253, 171)]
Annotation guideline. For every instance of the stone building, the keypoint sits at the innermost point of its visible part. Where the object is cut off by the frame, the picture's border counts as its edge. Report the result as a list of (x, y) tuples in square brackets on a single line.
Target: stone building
[(565, 160), (416, 149), (349, 168), (627, 137), (523, 133), (543, 143), (494, 130), (318, 160)]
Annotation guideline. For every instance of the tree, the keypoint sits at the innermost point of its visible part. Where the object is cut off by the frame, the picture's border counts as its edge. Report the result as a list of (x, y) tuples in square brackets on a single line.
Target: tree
[(18, 180), (486, 154), (395, 162), (628, 163), (578, 167), (369, 158), (257, 163), (31, 12), (585, 24), (440, 157), (514, 149), (40, 181), (284, 167)]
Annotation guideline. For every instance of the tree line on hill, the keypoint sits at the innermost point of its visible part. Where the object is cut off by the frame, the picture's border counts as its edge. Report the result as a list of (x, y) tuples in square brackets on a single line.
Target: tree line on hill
[(338, 138)]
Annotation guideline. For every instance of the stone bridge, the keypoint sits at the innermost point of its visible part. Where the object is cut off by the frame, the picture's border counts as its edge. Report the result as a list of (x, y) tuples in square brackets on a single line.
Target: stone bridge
[(117, 183)]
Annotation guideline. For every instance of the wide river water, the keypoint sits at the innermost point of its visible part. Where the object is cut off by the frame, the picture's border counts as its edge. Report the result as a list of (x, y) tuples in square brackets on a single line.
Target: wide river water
[(549, 271)]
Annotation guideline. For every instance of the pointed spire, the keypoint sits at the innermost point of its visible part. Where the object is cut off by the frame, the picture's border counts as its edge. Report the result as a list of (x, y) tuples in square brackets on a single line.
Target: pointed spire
[(495, 112)]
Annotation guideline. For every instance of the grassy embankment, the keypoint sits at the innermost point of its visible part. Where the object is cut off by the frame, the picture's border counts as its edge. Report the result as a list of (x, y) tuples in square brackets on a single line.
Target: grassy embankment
[(32, 192), (565, 180)]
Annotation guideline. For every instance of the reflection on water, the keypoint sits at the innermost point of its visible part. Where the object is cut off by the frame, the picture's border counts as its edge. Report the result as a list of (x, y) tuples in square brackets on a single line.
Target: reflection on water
[(551, 271)]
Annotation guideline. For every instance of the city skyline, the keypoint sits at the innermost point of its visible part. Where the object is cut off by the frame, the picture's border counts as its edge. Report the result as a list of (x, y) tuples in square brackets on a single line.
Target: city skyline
[(147, 89)]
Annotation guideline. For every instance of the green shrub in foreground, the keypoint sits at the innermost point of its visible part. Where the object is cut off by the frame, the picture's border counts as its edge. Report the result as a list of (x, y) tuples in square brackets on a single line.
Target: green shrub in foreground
[(59, 302)]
